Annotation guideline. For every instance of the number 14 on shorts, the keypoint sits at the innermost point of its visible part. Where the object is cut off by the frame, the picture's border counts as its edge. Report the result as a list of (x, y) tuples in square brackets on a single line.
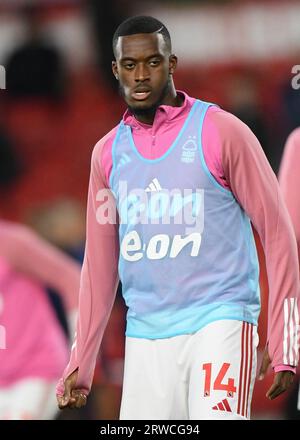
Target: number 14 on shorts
[(218, 382)]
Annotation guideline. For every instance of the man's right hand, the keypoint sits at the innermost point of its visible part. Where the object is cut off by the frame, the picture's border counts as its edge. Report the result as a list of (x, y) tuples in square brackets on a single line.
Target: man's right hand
[(72, 398)]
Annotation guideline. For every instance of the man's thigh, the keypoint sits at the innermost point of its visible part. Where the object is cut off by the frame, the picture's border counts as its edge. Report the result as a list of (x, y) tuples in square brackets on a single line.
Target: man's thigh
[(223, 370), (153, 386)]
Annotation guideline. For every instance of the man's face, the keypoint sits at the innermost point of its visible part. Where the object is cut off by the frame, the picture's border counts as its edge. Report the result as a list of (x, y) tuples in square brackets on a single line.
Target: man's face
[(143, 66)]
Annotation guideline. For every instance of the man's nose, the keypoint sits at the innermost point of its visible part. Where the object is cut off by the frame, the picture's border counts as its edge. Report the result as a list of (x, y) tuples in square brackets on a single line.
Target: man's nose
[(141, 72)]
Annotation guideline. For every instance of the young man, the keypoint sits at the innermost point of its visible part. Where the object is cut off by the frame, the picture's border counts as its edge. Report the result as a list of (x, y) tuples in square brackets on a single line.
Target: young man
[(187, 178), (289, 180)]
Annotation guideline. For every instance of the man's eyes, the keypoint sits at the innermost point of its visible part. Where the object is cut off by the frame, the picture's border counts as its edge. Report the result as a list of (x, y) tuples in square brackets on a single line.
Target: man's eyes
[(129, 66), (152, 63)]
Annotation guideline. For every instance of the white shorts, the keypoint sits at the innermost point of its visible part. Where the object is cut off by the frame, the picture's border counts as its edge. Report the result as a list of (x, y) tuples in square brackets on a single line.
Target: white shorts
[(206, 375), (28, 399)]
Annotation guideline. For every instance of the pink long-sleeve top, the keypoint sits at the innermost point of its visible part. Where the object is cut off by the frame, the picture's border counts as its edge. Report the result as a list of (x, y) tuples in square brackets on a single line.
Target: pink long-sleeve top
[(34, 336), (29, 254), (289, 180), (236, 160), (33, 344)]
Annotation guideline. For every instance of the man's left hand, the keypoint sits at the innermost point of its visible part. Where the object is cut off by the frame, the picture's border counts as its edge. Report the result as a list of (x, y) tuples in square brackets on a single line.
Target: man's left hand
[(282, 380)]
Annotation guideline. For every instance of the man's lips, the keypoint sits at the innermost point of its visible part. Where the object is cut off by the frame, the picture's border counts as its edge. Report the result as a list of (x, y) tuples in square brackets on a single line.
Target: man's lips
[(141, 94)]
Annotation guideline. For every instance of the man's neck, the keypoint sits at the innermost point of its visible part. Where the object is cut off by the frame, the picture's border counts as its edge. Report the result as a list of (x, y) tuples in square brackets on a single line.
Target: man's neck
[(147, 117)]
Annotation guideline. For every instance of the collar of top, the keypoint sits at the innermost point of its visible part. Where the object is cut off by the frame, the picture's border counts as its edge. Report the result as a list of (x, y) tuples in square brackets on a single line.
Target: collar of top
[(164, 113)]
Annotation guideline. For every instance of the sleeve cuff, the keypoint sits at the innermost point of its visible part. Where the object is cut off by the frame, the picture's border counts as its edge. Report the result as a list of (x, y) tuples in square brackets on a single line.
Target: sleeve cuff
[(279, 368)]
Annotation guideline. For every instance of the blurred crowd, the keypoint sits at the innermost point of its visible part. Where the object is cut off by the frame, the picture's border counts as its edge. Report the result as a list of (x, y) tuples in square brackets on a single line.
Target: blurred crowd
[(51, 116)]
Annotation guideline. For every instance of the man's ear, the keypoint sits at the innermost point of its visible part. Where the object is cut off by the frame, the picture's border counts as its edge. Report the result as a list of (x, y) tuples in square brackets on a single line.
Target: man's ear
[(172, 64), (115, 69)]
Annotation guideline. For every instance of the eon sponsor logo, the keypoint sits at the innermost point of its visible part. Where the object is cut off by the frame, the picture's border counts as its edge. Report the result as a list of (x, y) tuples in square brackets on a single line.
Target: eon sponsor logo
[(159, 246)]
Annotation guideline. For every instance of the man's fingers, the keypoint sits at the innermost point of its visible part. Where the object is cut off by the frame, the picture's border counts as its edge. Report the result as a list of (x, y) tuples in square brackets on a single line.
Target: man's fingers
[(63, 401), (274, 391), (282, 382), (60, 402), (69, 399), (76, 400), (72, 398), (79, 399), (264, 365)]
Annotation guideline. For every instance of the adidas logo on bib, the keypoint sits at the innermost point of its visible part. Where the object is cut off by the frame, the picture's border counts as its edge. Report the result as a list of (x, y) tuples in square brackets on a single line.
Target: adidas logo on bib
[(153, 186)]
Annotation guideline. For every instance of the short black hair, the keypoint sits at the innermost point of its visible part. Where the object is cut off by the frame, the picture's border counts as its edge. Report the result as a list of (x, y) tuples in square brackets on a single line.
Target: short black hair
[(141, 24)]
